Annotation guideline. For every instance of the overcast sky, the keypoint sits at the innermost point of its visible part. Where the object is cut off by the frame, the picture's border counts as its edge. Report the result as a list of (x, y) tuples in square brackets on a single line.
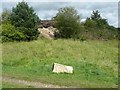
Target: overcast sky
[(46, 10)]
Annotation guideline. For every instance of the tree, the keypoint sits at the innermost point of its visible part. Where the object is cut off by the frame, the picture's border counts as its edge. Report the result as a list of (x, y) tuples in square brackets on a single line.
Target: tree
[(98, 27), (5, 16), (90, 23), (101, 23), (25, 19), (67, 21)]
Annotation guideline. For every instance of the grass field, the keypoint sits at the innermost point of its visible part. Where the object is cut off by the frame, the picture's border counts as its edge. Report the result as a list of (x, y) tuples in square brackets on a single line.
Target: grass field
[(95, 62)]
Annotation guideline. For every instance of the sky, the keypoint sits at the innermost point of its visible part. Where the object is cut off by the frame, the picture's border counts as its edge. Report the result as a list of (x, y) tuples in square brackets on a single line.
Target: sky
[(48, 9)]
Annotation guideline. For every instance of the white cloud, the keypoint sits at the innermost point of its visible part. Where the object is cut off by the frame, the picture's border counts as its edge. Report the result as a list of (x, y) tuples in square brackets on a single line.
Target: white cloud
[(46, 10), (115, 24), (111, 17), (83, 20), (44, 14)]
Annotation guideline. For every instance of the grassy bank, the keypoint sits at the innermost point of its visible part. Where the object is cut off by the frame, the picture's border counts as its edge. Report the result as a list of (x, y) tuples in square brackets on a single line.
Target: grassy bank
[(95, 62)]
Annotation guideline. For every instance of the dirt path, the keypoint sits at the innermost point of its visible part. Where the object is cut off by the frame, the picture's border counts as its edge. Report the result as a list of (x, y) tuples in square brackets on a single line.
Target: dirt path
[(29, 83)]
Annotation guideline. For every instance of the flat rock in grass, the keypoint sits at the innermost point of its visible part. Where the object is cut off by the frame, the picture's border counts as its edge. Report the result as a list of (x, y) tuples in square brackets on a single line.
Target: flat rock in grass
[(60, 68)]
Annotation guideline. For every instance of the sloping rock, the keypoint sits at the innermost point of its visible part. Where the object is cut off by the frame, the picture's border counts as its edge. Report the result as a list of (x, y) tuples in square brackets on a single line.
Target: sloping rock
[(45, 32), (60, 68)]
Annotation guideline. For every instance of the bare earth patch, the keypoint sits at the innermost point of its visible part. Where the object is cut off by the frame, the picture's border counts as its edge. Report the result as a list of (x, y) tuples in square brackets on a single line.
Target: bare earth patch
[(29, 83)]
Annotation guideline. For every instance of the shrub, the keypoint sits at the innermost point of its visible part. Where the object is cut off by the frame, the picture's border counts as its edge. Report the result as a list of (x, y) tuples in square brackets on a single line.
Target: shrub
[(10, 33), (98, 27), (90, 23), (29, 33)]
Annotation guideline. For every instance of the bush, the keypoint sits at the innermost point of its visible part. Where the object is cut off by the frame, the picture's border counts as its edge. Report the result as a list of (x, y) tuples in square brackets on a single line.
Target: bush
[(90, 23), (10, 33), (29, 33), (98, 27), (67, 22)]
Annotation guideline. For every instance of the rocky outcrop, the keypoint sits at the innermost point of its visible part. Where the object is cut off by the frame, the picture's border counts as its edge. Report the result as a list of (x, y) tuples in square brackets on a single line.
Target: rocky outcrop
[(45, 32), (46, 23)]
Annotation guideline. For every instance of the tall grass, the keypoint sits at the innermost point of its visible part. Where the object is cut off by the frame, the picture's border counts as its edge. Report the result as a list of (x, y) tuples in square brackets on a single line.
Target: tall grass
[(95, 62)]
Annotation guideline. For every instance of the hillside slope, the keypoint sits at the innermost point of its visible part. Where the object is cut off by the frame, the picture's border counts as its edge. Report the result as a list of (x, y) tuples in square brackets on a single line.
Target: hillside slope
[(95, 62)]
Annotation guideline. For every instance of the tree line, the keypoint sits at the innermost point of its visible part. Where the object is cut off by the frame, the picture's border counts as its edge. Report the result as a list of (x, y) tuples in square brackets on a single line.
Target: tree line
[(21, 24)]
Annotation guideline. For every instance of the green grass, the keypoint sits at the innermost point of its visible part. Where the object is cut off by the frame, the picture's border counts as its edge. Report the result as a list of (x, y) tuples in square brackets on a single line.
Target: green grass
[(95, 62)]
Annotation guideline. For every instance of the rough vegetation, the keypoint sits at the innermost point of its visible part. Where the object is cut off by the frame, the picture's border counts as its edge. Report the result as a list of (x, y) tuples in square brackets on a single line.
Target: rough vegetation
[(67, 21), (95, 62), (95, 27)]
